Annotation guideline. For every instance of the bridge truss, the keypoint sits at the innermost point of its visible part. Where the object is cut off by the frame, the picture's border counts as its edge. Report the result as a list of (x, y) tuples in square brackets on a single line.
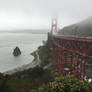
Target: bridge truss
[(70, 53)]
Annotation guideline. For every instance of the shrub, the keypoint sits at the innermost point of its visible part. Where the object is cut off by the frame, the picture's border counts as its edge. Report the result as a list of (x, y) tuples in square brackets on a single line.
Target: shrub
[(67, 84)]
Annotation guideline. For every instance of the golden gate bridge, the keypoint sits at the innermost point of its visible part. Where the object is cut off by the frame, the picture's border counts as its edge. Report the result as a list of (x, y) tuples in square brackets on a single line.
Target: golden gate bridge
[(70, 52)]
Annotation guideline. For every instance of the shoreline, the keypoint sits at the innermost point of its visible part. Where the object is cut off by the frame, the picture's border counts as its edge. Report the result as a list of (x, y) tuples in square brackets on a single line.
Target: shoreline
[(36, 61)]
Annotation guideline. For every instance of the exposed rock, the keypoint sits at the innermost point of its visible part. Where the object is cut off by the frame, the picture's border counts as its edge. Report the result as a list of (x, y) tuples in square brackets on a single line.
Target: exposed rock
[(16, 51)]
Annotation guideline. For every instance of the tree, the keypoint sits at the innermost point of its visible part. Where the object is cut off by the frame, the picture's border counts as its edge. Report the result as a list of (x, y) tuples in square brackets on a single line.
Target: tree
[(3, 86)]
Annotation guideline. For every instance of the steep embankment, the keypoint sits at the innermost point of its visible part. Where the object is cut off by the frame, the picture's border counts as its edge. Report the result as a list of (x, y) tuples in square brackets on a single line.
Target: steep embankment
[(84, 29)]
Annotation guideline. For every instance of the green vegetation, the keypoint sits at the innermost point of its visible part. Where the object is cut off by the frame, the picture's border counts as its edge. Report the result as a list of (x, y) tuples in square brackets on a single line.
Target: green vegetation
[(67, 84), (25, 81), (45, 53), (40, 80)]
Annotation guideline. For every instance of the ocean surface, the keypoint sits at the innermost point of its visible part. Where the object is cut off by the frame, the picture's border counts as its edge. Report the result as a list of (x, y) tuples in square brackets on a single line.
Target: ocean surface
[(27, 44)]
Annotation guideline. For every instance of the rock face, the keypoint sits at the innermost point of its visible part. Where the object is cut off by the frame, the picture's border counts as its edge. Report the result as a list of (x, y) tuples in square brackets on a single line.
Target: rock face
[(16, 51)]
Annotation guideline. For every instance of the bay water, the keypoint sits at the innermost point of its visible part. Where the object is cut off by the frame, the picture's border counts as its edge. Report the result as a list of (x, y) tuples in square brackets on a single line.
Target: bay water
[(27, 44)]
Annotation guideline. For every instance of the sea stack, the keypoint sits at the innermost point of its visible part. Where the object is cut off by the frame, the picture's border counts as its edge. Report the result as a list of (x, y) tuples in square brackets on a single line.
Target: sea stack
[(16, 51)]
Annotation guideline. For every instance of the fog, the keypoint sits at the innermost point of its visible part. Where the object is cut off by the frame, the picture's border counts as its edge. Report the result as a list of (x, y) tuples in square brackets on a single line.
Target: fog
[(37, 14)]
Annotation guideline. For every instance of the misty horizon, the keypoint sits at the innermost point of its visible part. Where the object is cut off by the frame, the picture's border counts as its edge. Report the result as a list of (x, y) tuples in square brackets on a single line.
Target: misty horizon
[(39, 31), (37, 14)]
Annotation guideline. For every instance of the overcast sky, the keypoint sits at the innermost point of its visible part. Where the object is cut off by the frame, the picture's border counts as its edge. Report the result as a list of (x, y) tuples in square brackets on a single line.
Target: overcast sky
[(37, 14)]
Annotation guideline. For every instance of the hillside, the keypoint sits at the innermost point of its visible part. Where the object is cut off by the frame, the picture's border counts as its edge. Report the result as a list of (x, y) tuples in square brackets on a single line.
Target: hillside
[(83, 28)]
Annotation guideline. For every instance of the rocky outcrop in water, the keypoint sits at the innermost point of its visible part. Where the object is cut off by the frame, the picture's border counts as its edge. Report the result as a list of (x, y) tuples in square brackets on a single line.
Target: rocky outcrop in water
[(16, 51)]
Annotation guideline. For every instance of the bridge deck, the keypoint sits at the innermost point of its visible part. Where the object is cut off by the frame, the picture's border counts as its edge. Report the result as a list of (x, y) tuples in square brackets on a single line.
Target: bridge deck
[(77, 38)]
